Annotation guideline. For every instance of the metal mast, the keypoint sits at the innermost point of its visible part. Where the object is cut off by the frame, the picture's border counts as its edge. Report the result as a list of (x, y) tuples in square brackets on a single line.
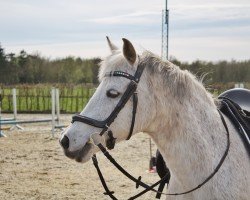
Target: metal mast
[(165, 33)]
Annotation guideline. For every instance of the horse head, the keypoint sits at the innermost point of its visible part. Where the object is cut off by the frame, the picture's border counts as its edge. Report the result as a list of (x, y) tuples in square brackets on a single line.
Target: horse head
[(109, 115)]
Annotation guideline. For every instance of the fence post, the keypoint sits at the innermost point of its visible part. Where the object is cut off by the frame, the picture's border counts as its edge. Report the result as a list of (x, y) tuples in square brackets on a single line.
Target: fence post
[(53, 110)]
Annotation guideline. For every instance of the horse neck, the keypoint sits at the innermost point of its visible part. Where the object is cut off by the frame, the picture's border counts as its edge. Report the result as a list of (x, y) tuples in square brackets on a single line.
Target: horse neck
[(189, 133)]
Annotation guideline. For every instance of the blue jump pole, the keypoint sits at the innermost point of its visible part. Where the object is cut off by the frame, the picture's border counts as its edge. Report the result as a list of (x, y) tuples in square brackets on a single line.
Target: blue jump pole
[(26, 121)]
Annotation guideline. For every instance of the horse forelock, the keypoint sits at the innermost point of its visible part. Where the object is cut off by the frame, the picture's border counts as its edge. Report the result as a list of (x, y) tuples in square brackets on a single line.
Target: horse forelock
[(114, 62)]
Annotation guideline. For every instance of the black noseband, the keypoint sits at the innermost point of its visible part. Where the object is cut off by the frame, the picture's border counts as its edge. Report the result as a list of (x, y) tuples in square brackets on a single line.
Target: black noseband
[(130, 91)]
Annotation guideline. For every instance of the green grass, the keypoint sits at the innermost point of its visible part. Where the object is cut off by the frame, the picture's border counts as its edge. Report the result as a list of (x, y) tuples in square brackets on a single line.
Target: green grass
[(37, 98)]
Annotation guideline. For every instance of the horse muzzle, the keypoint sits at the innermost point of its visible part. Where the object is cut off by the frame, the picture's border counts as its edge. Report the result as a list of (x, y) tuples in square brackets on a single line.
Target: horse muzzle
[(78, 155)]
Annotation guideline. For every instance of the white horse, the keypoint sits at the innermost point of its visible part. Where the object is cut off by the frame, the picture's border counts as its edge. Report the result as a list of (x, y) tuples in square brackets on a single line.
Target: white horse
[(181, 117)]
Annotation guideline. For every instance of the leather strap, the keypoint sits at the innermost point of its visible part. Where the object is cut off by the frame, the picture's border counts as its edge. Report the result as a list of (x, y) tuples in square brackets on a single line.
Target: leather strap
[(160, 189), (135, 102), (136, 180), (232, 110), (163, 180), (107, 191)]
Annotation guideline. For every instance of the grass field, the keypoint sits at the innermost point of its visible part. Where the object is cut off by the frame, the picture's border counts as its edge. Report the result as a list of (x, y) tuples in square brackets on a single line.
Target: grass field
[(37, 98)]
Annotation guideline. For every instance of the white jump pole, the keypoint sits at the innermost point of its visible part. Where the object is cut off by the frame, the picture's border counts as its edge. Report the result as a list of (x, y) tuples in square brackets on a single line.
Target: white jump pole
[(55, 111), (58, 125), (14, 103), (57, 106), (53, 102), (15, 110)]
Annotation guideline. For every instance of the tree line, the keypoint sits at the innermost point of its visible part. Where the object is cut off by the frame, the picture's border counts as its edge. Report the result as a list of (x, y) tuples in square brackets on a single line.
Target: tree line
[(218, 72), (24, 68)]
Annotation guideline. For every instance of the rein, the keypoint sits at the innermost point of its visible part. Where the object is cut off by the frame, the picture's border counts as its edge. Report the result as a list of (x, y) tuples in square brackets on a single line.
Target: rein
[(110, 143), (151, 188)]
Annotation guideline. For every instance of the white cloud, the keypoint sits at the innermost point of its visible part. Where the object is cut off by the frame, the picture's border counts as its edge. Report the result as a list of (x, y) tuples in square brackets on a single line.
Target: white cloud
[(78, 27), (209, 48), (131, 18)]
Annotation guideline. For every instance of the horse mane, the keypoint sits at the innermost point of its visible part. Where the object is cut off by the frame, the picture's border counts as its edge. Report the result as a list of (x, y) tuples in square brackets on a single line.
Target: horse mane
[(180, 82)]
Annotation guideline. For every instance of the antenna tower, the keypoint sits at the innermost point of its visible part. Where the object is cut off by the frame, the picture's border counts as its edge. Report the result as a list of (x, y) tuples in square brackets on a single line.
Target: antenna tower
[(165, 33)]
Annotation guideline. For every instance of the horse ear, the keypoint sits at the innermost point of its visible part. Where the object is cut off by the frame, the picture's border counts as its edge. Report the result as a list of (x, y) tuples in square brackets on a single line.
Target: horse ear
[(129, 51), (111, 45)]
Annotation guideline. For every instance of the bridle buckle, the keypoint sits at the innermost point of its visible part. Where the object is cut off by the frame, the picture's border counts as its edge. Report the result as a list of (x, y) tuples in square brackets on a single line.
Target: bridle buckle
[(107, 128), (135, 82)]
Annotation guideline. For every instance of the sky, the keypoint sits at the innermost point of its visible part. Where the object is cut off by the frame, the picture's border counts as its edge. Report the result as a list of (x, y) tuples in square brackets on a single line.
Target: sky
[(199, 29)]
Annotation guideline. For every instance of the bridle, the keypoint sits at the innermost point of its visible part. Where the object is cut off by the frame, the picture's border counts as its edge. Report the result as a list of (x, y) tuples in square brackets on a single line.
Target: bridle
[(110, 142), (105, 124)]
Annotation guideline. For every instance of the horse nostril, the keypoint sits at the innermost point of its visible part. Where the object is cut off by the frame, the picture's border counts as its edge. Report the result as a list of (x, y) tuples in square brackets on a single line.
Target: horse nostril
[(65, 142)]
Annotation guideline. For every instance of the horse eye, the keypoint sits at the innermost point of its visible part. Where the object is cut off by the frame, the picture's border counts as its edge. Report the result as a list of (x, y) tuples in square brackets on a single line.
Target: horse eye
[(112, 93)]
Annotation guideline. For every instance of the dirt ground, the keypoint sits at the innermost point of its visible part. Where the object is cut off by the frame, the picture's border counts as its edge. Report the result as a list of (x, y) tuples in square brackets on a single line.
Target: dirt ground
[(32, 166)]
